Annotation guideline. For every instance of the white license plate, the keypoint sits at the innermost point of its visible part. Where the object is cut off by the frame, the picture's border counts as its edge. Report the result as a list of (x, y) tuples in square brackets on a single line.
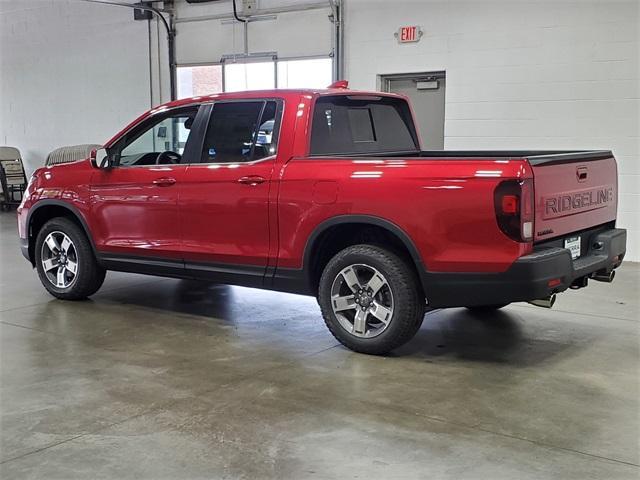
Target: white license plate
[(573, 244)]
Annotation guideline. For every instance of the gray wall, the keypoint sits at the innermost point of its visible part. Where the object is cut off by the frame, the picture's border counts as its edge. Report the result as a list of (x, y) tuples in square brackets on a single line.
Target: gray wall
[(70, 72)]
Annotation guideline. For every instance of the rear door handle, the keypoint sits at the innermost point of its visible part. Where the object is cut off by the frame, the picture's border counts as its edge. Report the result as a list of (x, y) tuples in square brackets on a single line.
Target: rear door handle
[(164, 181), (252, 180)]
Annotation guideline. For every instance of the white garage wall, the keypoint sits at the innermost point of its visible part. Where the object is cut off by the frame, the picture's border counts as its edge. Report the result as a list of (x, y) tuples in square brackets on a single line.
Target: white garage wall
[(520, 74), (70, 73)]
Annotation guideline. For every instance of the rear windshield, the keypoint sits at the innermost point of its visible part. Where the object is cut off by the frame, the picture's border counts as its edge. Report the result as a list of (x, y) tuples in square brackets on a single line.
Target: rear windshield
[(352, 125)]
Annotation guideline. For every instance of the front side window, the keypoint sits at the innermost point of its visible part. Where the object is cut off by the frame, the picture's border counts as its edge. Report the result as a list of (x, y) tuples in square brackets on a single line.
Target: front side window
[(241, 132), (158, 141)]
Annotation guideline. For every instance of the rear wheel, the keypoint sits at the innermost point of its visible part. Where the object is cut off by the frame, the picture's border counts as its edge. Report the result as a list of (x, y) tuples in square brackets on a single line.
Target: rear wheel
[(65, 261), (370, 299)]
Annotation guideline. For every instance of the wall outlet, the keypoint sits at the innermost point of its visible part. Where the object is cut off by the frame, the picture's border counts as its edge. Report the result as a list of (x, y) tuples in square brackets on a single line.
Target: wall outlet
[(249, 6)]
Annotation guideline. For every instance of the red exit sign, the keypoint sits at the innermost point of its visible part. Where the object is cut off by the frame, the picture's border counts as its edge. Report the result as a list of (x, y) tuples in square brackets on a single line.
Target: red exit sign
[(410, 33)]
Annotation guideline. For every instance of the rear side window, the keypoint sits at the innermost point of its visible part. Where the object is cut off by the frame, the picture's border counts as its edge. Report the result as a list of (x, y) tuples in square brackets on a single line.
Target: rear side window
[(240, 132), (344, 125)]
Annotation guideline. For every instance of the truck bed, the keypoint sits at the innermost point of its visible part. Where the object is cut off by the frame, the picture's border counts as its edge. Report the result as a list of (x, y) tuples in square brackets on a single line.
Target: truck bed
[(575, 190), (535, 157)]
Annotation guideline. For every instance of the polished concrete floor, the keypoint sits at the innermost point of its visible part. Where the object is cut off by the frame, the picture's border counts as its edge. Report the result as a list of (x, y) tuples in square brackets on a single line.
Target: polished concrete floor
[(158, 378)]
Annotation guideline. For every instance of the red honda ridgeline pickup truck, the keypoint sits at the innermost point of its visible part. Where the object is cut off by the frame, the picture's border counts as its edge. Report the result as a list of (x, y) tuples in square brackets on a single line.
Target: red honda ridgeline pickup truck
[(325, 193)]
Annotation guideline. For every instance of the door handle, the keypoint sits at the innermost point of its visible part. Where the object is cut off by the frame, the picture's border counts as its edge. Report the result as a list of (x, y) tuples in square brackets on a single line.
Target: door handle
[(164, 181), (252, 180)]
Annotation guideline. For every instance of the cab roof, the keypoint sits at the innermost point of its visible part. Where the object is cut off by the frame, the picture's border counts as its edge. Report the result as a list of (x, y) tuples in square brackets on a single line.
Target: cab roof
[(284, 93)]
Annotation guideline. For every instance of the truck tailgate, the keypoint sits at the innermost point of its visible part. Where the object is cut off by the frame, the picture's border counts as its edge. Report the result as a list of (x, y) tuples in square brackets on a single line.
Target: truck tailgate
[(573, 192)]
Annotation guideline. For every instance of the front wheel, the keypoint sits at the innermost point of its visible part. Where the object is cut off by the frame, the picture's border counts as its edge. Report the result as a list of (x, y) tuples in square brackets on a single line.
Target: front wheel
[(65, 261), (370, 299)]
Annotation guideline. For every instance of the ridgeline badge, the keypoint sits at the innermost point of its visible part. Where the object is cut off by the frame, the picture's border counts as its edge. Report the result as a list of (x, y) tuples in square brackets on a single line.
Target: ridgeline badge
[(581, 201)]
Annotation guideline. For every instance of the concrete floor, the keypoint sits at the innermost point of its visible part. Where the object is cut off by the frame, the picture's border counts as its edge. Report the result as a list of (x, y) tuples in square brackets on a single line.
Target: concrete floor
[(158, 378)]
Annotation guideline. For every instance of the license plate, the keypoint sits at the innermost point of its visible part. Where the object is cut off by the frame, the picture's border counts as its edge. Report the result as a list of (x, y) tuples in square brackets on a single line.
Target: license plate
[(573, 244)]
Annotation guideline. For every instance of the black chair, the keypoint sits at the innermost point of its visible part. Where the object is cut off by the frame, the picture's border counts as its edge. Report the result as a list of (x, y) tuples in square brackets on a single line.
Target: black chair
[(13, 179)]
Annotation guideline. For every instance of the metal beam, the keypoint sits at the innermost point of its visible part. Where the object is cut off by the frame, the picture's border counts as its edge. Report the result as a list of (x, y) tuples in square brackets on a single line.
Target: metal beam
[(337, 40), (267, 11)]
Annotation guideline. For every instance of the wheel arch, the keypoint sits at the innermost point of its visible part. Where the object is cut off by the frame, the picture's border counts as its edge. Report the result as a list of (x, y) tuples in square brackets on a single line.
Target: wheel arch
[(314, 259), (45, 210)]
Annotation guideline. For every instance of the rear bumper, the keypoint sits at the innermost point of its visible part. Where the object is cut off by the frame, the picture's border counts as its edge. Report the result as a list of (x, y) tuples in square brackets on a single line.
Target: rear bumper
[(529, 277)]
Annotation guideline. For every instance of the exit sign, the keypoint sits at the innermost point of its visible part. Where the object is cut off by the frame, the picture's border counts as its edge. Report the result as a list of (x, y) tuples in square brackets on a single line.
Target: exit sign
[(408, 34)]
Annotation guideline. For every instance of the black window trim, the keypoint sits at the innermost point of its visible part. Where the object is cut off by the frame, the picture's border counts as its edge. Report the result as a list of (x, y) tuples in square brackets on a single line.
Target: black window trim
[(276, 127)]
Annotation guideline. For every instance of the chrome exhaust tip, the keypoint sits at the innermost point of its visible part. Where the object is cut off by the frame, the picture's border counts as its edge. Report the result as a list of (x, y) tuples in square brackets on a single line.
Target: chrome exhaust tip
[(605, 277), (546, 302)]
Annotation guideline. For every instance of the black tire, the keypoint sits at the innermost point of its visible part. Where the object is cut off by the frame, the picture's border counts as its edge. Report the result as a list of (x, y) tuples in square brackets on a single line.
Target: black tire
[(89, 275), (408, 299), (487, 308)]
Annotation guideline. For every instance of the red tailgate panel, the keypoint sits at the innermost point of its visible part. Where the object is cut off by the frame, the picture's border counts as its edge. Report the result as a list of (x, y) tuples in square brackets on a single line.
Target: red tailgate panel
[(574, 196)]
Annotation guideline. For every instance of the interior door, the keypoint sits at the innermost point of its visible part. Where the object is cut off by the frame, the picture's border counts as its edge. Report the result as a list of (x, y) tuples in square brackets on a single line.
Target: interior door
[(426, 93), (135, 203), (224, 200)]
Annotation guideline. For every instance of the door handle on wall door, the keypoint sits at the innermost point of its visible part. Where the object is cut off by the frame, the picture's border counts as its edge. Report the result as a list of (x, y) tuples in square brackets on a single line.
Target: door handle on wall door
[(164, 181), (252, 180)]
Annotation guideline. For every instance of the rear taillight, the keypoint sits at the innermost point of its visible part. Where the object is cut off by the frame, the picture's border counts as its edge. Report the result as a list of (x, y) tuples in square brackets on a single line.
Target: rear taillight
[(513, 200)]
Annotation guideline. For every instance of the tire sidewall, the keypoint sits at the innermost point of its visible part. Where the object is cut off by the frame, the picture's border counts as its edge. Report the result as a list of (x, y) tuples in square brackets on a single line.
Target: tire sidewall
[(403, 295), (83, 253)]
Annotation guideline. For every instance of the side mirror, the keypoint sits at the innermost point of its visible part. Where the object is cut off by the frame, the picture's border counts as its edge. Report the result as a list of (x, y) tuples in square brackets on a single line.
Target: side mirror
[(99, 158)]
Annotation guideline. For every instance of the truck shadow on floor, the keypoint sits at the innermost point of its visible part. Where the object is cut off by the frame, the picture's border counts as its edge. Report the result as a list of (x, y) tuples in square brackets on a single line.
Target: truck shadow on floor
[(473, 336), (494, 337), (200, 298)]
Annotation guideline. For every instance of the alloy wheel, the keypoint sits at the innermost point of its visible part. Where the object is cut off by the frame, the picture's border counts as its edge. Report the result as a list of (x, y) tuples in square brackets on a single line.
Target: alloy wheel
[(362, 300), (59, 260)]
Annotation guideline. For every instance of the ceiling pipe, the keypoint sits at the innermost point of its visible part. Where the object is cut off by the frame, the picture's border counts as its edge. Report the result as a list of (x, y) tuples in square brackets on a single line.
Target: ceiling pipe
[(171, 35)]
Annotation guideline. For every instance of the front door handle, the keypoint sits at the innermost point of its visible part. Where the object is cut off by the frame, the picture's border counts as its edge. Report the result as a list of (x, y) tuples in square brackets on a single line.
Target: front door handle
[(164, 181), (252, 180)]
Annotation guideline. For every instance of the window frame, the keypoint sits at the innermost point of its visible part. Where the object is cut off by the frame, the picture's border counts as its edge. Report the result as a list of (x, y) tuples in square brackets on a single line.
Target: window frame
[(275, 137), (136, 131)]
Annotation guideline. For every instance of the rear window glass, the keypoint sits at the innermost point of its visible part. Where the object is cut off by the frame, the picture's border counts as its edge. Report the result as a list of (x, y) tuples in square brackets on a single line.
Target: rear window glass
[(344, 125), (361, 124)]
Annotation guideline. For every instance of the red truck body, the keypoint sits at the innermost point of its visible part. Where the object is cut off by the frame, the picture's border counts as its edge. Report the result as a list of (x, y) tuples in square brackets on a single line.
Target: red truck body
[(269, 223)]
